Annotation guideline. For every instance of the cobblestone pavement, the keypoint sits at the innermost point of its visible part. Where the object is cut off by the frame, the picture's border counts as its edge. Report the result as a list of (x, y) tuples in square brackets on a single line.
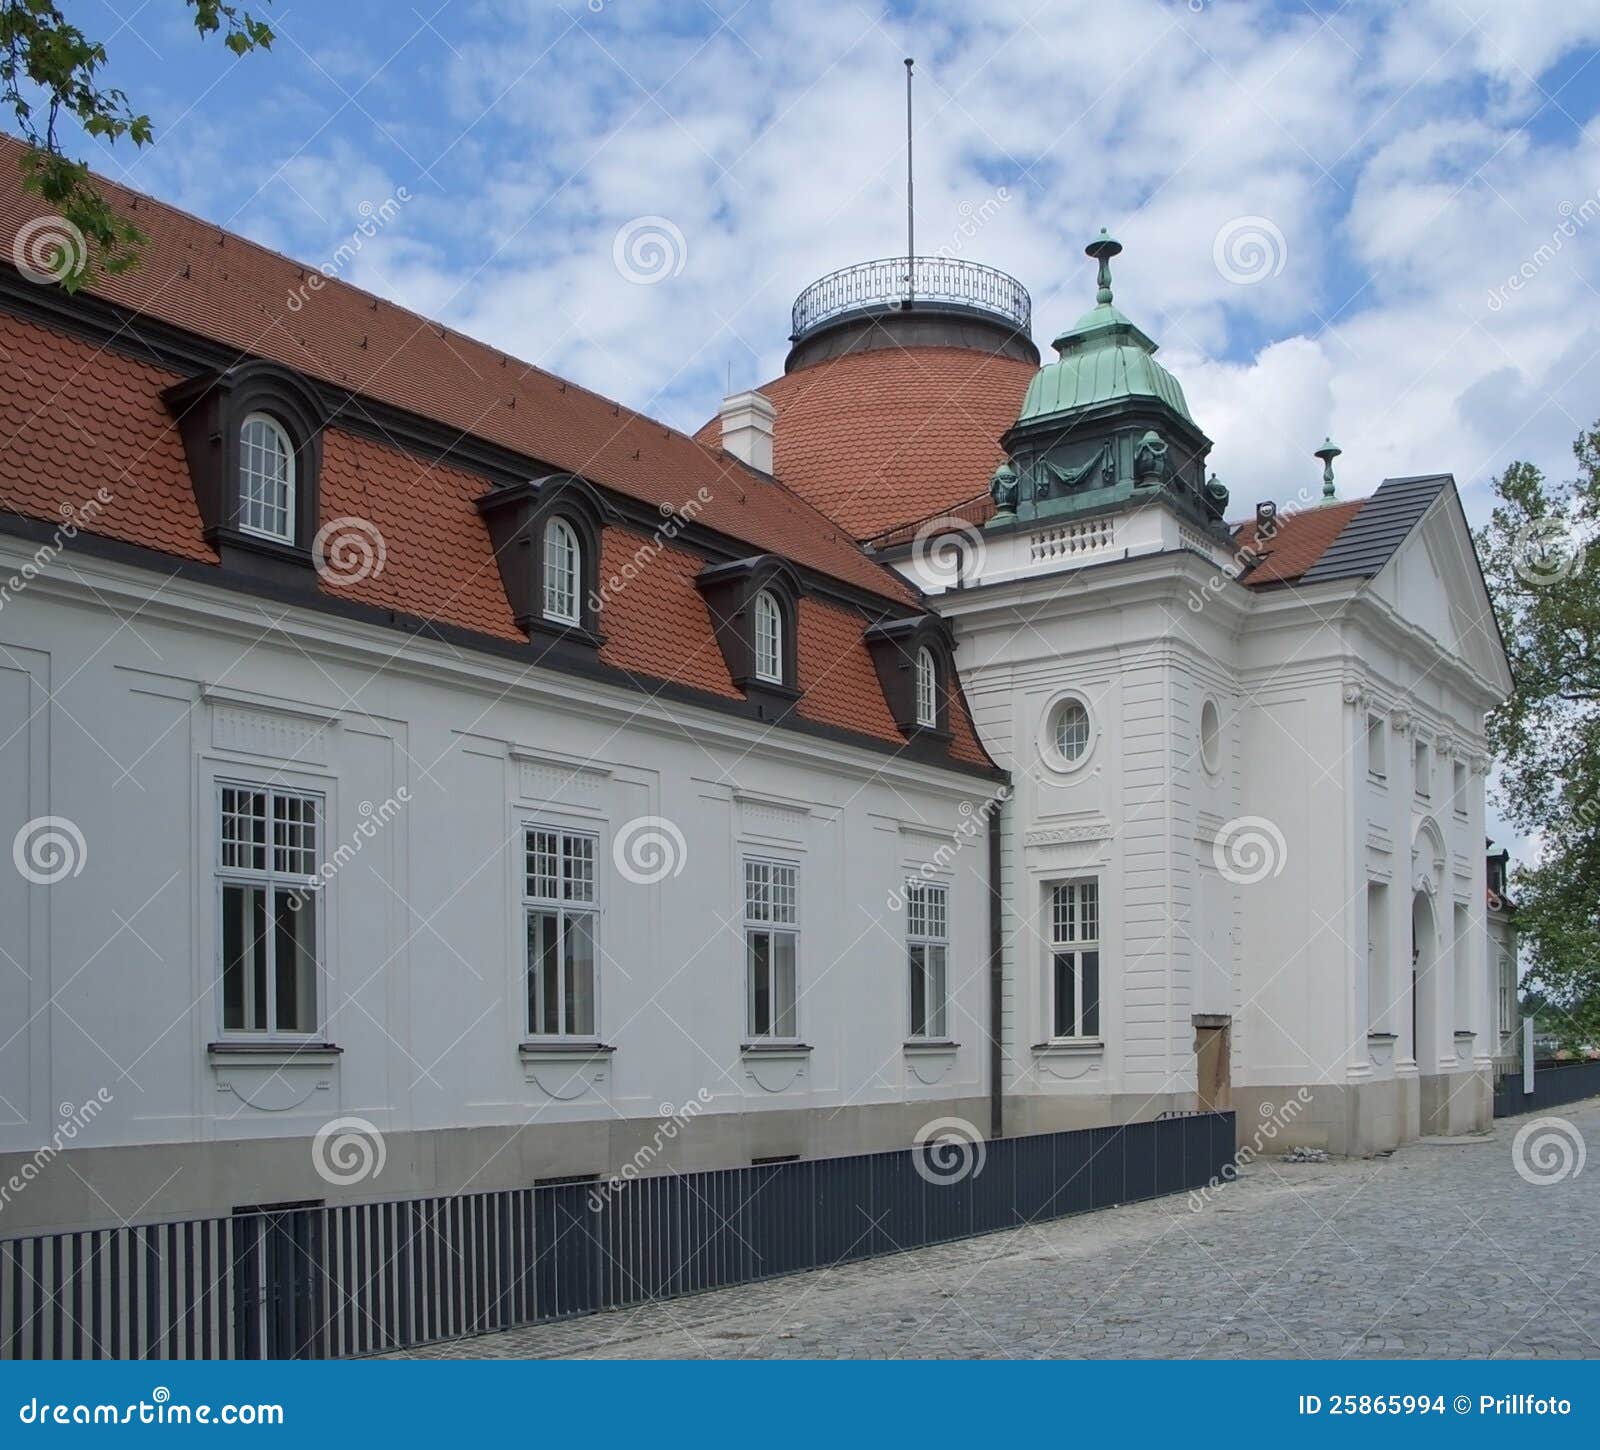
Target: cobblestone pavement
[(1441, 1250)]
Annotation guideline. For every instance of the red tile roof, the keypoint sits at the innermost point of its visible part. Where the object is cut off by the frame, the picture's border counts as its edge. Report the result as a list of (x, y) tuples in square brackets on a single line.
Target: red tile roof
[(884, 438), (75, 416), (223, 287), (1300, 540), (970, 511)]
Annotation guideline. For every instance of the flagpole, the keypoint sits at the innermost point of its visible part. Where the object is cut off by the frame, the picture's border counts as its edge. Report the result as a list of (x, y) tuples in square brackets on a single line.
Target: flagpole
[(911, 233)]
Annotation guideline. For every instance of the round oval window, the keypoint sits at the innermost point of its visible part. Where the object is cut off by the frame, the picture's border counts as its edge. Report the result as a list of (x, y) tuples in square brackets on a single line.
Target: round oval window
[(1072, 730), (1210, 735)]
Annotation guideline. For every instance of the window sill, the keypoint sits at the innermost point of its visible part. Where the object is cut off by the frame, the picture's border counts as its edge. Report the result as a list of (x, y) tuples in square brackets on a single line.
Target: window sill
[(272, 1054), (1068, 1046), (774, 1049), (565, 1048), (1381, 1037), (1465, 1034), (930, 1044)]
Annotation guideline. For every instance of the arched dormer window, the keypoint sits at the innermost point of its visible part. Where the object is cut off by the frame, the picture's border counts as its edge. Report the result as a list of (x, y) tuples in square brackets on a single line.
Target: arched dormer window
[(912, 660), (266, 479), (754, 605), (769, 638), (563, 571), (927, 687), (548, 537), (252, 437)]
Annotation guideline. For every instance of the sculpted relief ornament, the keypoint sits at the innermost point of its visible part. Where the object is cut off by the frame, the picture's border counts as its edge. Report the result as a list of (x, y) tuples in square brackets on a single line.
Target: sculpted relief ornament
[(1003, 490)]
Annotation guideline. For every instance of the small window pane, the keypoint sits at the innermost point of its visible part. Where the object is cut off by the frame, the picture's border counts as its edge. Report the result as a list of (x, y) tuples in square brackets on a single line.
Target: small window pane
[(1072, 730), (784, 895), (244, 958), (544, 983), (578, 975), (936, 992), (919, 990), (760, 969), (294, 835), (1089, 911), (927, 689), (1091, 994), (295, 928), (543, 865), (577, 863), (560, 572), (769, 639), (244, 829), (757, 891), (266, 479), (1065, 994), (783, 953)]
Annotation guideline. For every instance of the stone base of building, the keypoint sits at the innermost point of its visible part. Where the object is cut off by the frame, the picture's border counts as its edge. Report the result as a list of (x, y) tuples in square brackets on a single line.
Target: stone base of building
[(1062, 1112), (1361, 1118), (97, 1187)]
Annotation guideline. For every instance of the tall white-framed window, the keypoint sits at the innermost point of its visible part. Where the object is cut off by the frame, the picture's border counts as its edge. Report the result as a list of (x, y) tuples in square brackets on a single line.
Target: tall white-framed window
[(560, 919), (561, 572), (1377, 956), (266, 479), (927, 953), (772, 946), (769, 638), (927, 682), (1377, 748), (1458, 790), (1423, 771), (560, 910), (1461, 970), (269, 910), (1075, 959), (1508, 996)]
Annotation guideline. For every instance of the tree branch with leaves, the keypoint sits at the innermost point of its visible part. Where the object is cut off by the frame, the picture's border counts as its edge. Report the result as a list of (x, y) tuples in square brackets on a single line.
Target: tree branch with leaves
[(1542, 565), (50, 70)]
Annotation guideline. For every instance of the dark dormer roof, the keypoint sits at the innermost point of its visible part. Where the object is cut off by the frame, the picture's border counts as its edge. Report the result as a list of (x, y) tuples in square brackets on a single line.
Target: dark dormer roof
[(1369, 540)]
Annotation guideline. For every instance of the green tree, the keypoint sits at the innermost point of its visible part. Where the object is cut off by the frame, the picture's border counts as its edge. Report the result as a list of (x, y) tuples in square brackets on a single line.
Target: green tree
[(49, 68), (1543, 571)]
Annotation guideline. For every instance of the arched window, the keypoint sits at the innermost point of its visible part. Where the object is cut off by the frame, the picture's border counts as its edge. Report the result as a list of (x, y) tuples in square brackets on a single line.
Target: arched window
[(266, 479), (769, 639), (561, 572), (927, 688)]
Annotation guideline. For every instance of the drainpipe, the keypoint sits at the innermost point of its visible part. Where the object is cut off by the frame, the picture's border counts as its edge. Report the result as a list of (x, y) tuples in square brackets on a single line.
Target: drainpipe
[(996, 972)]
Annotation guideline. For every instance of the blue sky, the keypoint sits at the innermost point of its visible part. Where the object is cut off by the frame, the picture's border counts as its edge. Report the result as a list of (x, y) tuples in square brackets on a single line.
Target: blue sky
[(1380, 222), (1398, 165)]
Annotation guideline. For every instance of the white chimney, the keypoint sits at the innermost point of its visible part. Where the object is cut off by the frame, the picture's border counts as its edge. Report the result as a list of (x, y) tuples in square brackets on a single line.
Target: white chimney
[(747, 420)]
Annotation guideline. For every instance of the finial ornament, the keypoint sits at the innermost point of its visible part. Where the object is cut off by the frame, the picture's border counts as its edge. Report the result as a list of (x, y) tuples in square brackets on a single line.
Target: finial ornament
[(1327, 453), (1103, 248)]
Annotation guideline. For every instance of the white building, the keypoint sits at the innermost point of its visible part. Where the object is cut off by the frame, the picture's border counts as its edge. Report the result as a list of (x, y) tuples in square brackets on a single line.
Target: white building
[(422, 773)]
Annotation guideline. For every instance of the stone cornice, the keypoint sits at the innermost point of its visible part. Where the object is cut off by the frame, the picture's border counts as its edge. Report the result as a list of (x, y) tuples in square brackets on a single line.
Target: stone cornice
[(504, 669)]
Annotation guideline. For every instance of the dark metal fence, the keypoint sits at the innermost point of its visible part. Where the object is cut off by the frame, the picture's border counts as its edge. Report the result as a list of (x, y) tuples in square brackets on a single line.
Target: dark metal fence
[(318, 1283), (1553, 1084)]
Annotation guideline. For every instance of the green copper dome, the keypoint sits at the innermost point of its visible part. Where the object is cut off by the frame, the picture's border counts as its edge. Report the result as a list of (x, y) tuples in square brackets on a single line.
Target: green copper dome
[(1103, 358)]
